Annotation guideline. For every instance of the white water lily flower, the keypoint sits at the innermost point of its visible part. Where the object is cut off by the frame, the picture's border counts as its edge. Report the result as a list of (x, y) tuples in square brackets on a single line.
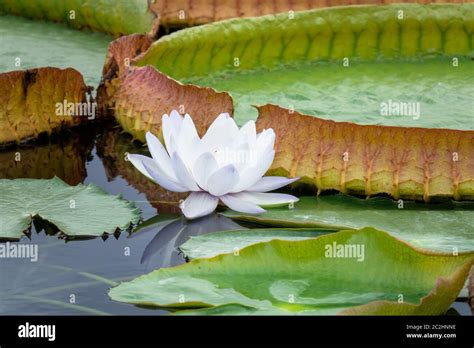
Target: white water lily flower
[(226, 165)]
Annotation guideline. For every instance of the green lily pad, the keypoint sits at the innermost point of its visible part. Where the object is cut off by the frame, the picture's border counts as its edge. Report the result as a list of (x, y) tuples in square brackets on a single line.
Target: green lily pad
[(99, 15), (442, 227), (75, 210), (223, 242), (338, 63), (384, 276), (31, 41)]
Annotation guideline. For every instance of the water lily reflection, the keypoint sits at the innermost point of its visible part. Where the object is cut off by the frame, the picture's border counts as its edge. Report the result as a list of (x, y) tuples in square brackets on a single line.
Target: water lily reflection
[(162, 250)]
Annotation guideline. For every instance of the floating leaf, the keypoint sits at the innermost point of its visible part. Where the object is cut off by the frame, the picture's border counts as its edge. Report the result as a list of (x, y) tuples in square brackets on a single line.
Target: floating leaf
[(314, 35), (223, 242), (406, 163), (29, 43), (441, 227), (74, 210), (28, 101), (145, 94), (116, 17), (299, 62), (119, 55), (300, 277), (107, 15), (182, 13)]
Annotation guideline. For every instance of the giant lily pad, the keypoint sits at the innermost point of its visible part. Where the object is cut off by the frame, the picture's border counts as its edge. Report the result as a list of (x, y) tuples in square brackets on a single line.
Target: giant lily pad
[(29, 98), (302, 277), (101, 15), (407, 163), (182, 13), (338, 63), (75, 210), (224, 242), (27, 44), (442, 227), (142, 15), (145, 94)]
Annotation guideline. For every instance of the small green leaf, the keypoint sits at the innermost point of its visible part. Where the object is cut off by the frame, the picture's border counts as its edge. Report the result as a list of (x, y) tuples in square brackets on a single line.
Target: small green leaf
[(75, 210), (309, 277), (223, 242), (441, 227)]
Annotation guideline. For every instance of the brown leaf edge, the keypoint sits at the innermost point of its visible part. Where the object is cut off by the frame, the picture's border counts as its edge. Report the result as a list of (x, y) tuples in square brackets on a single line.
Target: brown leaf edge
[(366, 160), (120, 55), (183, 13), (145, 94), (28, 101)]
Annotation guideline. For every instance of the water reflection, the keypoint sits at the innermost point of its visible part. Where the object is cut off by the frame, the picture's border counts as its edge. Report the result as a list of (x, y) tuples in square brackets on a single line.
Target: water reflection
[(112, 147), (162, 250), (61, 155), (88, 268)]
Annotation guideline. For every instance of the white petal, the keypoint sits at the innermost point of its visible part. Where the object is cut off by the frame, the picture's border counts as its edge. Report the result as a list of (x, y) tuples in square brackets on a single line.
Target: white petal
[(159, 154), (265, 141), (266, 135), (188, 142), (262, 156), (149, 168), (176, 120), (137, 161), (249, 132), (188, 129), (199, 204), (270, 183), (223, 180), (170, 125), (240, 156), (266, 199), (220, 133), (240, 205), (245, 157), (183, 174), (204, 166), (251, 175)]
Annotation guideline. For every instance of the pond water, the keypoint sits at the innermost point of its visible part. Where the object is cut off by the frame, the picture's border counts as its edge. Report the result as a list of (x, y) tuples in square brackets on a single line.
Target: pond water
[(82, 271)]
